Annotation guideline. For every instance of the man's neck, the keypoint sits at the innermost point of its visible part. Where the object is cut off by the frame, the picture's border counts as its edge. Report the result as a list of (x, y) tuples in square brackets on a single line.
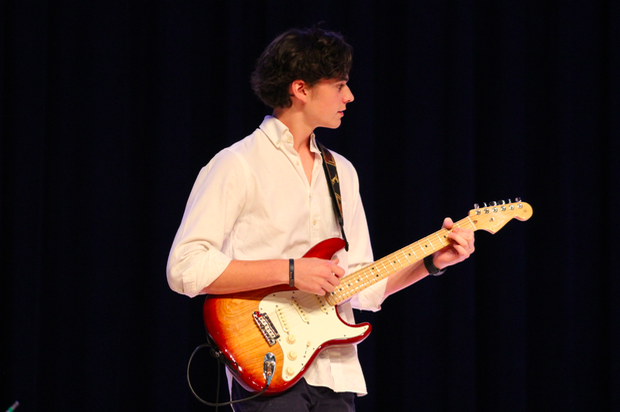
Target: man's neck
[(300, 131)]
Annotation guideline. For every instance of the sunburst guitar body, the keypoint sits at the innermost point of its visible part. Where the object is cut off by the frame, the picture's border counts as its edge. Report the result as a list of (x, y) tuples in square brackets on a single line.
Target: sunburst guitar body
[(295, 326)]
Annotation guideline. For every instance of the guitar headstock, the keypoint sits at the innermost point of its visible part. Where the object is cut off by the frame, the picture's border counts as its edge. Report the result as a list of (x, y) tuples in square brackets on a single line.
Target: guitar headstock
[(494, 216)]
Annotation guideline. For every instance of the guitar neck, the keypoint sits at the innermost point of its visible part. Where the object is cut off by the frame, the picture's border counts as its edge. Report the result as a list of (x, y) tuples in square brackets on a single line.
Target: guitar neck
[(369, 275)]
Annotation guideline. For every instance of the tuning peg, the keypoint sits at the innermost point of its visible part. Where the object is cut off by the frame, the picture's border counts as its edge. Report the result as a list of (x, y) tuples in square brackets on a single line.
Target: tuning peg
[(476, 206), (493, 204), (503, 202), (517, 199)]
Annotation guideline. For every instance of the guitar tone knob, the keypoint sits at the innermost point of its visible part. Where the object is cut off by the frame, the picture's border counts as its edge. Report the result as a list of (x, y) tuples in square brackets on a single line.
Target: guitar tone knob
[(292, 355), (291, 339), (290, 371)]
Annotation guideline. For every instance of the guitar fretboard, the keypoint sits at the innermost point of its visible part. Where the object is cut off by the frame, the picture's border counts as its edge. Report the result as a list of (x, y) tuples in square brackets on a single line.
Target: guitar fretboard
[(390, 264)]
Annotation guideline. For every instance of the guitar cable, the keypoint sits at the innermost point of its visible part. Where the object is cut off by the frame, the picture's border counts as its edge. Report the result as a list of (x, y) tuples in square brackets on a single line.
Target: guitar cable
[(217, 354)]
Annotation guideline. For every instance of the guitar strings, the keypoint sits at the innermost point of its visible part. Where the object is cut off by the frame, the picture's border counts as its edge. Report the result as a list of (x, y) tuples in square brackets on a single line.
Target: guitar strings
[(362, 278), (370, 274)]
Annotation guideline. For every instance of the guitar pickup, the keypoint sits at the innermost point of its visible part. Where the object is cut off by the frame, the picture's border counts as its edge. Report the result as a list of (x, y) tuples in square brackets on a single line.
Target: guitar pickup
[(300, 310), (282, 319), (266, 327)]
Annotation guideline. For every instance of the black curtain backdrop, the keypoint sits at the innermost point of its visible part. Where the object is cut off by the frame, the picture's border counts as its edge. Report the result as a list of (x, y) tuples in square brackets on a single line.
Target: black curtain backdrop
[(109, 109)]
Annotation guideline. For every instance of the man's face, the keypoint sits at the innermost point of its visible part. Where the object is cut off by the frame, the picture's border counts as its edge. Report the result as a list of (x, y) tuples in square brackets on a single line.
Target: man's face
[(327, 102)]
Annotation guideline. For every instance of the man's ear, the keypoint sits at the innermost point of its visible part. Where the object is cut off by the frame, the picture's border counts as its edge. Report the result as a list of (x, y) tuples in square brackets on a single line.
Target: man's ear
[(299, 90)]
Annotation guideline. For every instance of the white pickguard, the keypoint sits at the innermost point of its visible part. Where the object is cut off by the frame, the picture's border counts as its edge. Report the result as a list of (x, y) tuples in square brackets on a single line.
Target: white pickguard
[(305, 322)]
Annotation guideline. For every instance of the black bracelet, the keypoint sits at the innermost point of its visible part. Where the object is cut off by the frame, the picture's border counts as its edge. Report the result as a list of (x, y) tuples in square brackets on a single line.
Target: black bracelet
[(291, 273), (430, 266)]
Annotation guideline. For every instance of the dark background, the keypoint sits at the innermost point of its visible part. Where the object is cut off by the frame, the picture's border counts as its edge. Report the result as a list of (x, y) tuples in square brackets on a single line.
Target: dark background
[(109, 109)]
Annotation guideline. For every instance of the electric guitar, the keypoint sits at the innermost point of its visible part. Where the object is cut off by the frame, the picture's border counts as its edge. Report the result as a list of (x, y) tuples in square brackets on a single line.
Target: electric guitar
[(293, 327)]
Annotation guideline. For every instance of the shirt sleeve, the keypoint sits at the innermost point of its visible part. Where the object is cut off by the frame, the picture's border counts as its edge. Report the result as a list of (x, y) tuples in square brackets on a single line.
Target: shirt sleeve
[(217, 197), (360, 250)]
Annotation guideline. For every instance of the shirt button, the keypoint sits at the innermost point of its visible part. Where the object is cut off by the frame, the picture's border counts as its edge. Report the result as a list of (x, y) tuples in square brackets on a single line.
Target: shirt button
[(314, 222)]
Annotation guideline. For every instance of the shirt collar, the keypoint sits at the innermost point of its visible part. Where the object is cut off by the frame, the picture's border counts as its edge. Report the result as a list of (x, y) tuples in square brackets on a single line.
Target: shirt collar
[(279, 133)]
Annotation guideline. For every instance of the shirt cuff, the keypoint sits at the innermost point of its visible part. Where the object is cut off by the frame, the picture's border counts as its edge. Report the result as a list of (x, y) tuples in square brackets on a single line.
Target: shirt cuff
[(370, 298)]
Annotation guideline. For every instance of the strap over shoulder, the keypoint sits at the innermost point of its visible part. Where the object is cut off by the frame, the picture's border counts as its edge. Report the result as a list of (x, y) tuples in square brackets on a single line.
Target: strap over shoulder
[(333, 183)]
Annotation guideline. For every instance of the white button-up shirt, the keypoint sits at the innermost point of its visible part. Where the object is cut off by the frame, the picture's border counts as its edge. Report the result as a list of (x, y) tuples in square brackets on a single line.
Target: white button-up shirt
[(253, 201)]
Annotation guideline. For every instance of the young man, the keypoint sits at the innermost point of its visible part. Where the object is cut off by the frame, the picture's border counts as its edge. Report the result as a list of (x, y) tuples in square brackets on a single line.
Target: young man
[(265, 200)]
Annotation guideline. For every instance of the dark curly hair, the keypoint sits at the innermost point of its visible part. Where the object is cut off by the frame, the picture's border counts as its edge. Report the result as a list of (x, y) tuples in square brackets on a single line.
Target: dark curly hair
[(299, 54)]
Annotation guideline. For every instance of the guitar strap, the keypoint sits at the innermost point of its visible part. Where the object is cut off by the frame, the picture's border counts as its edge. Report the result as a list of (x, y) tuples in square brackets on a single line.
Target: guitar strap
[(333, 183)]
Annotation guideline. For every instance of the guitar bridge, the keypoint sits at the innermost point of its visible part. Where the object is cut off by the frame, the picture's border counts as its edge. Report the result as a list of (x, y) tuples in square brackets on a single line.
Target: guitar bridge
[(266, 327)]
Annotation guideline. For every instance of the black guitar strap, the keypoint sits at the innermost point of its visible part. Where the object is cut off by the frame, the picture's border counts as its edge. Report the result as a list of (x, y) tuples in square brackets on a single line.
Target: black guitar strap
[(333, 183)]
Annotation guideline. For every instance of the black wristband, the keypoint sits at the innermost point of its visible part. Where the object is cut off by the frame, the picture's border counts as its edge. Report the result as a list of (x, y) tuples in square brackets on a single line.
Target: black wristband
[(430, 266), (291, 273)]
